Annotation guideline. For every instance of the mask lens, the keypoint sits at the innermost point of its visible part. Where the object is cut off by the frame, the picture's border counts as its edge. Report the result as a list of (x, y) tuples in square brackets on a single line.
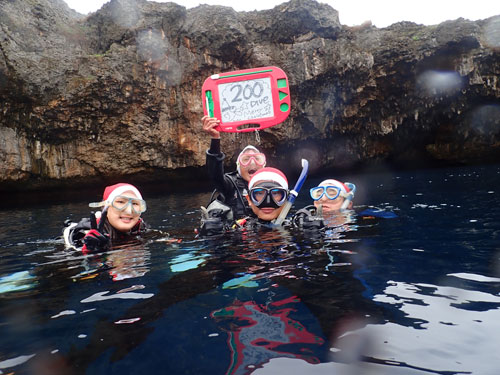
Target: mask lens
[(332, 192), (279, 196), (258, 195), (138, 206), (317, 192), (120, 203), (259, 159)]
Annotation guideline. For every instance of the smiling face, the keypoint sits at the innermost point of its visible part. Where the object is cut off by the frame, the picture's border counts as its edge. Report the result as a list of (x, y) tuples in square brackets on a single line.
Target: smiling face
[(126, 219), (247, 170)]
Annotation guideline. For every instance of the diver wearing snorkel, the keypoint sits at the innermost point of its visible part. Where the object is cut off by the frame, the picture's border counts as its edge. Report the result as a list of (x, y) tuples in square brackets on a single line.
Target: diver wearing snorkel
[(331, 198), (267, 195), (231, 186)]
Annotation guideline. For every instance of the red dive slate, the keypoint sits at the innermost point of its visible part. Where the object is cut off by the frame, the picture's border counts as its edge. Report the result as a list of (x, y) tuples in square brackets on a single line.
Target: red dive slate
[(247, 100)]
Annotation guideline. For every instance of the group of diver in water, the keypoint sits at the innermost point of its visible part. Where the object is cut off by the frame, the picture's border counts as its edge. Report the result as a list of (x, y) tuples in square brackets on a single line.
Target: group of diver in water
[(253, 196)]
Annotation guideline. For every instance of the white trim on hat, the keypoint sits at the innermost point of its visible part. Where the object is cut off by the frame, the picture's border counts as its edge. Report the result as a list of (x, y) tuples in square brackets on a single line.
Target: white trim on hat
[(249, 147), (268, 176), (122, 189)]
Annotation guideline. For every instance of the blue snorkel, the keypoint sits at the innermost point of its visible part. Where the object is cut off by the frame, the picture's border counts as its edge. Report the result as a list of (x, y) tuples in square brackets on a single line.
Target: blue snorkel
[(350, 195), (293, 194)]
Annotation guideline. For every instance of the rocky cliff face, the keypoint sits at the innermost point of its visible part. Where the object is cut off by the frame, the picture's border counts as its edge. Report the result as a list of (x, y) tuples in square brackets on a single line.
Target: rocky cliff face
[(117, 93)]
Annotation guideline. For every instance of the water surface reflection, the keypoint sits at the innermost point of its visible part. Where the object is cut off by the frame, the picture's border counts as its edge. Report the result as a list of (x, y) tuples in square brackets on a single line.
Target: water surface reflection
[(412, 294)]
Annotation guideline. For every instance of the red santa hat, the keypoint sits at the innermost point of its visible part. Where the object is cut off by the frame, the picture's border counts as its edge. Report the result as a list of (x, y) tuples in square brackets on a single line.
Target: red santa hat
[(111, 192), (269, 174)]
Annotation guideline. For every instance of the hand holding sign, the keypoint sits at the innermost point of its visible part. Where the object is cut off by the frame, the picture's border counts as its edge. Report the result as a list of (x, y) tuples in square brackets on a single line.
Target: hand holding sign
[(210, 126), (247, 100)]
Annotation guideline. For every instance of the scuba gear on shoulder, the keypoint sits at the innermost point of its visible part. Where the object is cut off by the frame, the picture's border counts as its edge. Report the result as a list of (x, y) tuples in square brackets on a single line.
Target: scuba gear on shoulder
[(216, 218), (308, 218), (73, 233), (68, 235), (236, 202)]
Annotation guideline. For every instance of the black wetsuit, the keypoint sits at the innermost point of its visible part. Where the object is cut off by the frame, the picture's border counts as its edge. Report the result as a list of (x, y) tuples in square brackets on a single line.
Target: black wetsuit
[(230, 186), (77, 233)]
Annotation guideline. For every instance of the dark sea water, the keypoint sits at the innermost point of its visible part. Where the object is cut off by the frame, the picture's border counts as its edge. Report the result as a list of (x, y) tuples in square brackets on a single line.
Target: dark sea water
[(415, 294)]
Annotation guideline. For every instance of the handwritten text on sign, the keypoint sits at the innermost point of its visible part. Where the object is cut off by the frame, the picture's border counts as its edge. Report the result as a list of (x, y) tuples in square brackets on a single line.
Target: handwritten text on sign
[(246, 100)]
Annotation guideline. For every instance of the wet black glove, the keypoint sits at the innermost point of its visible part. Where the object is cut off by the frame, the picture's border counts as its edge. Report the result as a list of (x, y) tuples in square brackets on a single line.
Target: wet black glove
[(304, 219), (96, 239)]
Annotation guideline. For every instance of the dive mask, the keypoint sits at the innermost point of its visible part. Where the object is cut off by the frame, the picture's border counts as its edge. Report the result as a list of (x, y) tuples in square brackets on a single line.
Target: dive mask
[(268, 194), (331, 192), (121, 202)]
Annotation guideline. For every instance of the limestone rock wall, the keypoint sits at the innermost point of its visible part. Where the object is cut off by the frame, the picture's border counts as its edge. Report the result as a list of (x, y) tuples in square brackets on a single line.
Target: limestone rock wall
[(117, 94)]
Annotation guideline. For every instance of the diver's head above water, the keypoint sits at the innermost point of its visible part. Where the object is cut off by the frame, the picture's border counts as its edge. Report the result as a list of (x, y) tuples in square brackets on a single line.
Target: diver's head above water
[(332, 195), (249, 161), (124, 205), (268, 192)]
